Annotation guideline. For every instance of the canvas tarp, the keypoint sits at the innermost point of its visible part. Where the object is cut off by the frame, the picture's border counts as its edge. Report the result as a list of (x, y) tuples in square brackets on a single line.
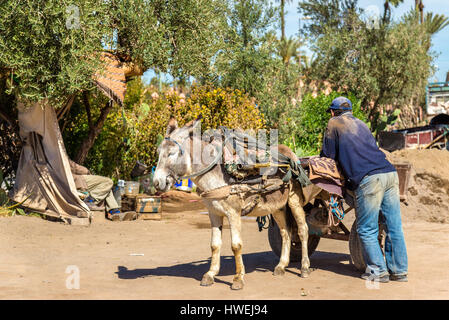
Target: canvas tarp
[(44, 181)]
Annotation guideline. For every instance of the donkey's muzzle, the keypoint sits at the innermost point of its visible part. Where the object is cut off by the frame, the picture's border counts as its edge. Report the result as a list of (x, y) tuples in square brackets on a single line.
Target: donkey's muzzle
[(163, 184)]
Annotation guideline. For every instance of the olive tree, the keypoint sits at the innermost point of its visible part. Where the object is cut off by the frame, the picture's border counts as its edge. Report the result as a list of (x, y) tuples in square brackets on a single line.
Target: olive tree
[(50, 49), (383, 64)]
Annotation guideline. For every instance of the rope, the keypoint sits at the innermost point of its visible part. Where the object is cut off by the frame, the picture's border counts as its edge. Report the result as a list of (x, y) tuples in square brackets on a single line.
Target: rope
[(334, 210), (261, 222)]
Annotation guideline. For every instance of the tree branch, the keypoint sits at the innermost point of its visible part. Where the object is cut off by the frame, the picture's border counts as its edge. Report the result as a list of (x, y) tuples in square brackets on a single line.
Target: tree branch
[(63, 111), (94, 131), (87, 106), (7, 118)]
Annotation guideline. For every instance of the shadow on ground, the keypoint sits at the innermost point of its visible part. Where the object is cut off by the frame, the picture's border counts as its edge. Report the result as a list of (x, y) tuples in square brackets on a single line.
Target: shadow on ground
[(259, 261), (334, 262)]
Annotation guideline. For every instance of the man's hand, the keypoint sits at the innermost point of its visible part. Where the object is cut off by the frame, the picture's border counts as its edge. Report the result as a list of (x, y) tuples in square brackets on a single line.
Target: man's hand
[(78, 169)]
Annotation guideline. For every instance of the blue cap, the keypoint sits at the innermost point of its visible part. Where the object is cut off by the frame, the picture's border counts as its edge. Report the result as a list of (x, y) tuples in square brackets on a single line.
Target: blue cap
[(337, 104)]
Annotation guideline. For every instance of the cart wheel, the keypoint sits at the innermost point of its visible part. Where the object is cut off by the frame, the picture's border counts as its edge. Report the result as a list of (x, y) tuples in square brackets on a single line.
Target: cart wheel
[(275, 239), (355, 246)]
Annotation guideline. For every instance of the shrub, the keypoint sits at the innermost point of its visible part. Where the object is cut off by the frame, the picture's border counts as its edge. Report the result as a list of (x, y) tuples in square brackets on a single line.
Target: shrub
[(134, 132), (217, 106), (302, 128)]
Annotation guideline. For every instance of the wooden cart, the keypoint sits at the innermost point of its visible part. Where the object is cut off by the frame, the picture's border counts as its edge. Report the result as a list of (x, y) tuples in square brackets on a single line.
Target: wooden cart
[(339, 232)]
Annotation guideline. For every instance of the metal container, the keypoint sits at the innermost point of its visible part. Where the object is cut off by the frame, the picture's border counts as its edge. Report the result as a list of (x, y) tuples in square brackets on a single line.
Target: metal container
[(117, 195), (403, 170), (131, 188), (138, 170)]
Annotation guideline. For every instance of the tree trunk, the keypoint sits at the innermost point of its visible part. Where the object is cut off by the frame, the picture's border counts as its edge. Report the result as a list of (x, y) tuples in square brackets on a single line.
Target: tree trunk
[(386, 11), (7, 119), (421, 11), (282, 19), (94, 131)]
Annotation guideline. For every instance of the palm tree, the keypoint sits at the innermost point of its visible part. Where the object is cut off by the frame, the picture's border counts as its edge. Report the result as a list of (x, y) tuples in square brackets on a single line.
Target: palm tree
[(282, 12), (420, 7), (435, 23), (387, 9), (288, 49)]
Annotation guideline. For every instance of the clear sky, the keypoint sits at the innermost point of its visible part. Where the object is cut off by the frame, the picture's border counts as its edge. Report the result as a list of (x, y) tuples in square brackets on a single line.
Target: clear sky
[(440, 41)]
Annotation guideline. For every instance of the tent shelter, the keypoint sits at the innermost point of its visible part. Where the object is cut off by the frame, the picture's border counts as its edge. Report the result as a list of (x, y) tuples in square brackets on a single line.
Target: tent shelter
[(44, 182)]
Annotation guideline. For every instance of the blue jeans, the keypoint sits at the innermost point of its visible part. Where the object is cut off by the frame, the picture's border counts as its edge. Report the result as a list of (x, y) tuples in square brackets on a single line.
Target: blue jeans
[(381, 192)]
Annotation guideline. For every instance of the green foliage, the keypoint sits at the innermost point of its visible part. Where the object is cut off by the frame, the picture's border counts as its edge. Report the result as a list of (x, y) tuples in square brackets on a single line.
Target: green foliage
[(218, 107), (257, 62), (50, 48), (325, 13), (288, 49), (242, 64), (303, 127), (105, 155), (435, 22), (388, 65), (44, 57), (175, 36), (384, 120), (133, 133), (281, 92)]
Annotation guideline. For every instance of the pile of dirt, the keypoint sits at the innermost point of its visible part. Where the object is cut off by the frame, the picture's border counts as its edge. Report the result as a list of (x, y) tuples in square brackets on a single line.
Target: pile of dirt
[(428, 189)]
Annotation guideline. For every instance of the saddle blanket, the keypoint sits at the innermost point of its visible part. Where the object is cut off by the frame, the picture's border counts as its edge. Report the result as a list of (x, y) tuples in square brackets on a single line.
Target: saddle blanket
[(325, 173)]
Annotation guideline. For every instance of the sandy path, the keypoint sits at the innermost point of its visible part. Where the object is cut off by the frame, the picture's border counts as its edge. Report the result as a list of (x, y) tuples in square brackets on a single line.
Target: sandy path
[(35, 253)]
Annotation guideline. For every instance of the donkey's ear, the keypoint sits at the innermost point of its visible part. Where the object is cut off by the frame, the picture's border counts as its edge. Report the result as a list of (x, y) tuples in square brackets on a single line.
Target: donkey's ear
[(197, 122), (172, 126)]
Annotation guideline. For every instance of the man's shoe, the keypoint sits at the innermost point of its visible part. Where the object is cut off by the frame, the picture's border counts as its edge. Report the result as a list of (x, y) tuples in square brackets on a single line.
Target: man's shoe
[(90, 202), (117, 215), (399, 278), (372, 277)]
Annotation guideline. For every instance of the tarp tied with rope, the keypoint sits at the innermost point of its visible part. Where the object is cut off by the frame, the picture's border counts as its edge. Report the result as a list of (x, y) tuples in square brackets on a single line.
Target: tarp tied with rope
[(44, 181)]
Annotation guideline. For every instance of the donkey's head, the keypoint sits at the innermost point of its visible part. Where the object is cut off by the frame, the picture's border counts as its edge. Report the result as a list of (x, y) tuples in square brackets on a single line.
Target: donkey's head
[(174, 155)]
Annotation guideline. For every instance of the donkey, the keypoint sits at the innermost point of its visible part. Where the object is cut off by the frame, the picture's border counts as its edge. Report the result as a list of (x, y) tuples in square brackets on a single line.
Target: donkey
[(175, 161)]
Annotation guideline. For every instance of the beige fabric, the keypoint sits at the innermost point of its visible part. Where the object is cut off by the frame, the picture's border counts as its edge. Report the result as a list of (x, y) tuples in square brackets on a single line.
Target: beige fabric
[(44, 180), (100, 188)]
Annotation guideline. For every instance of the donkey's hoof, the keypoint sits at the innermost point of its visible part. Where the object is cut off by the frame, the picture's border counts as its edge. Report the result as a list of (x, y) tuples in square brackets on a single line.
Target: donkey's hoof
[(305, 273), (279, 271), (207, 280), (237, 285)]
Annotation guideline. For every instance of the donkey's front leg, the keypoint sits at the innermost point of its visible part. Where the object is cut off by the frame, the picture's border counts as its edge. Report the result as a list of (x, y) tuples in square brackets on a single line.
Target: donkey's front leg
[(294, 201), (237, 245), (280, 218), (217, 225)]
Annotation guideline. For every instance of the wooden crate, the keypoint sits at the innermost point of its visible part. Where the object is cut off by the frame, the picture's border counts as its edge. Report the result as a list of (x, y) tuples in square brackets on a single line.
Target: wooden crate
[(149, 207)]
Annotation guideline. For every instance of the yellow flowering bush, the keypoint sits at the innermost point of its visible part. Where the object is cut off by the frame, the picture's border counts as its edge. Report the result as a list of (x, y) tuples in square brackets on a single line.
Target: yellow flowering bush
[(147, 119)]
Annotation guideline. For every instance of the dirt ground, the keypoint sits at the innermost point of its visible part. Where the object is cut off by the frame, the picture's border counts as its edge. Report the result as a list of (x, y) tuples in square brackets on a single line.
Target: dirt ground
[(166, 260), (428, 188)]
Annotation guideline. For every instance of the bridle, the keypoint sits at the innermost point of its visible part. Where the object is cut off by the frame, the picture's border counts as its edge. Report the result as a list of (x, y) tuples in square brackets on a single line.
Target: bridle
[(175, 142), (202, 171)]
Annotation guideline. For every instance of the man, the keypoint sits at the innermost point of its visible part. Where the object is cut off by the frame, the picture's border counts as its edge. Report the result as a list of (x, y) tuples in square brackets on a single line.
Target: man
[(375, 183), (99, 189)]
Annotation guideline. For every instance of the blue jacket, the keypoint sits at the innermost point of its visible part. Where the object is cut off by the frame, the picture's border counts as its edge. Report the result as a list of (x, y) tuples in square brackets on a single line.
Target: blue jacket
[(350, 143)]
